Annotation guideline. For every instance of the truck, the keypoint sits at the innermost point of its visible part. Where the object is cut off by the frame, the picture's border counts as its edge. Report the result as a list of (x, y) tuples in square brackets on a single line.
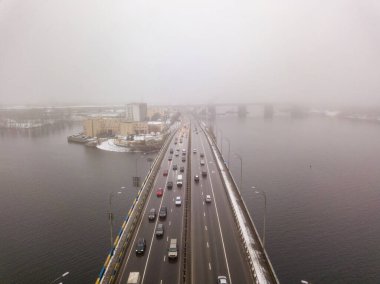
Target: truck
[(134, 278), (173, 249), (179, 180)]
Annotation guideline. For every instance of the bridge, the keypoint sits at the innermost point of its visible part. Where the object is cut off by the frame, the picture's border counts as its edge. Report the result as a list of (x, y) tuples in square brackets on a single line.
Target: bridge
[(214, 233)]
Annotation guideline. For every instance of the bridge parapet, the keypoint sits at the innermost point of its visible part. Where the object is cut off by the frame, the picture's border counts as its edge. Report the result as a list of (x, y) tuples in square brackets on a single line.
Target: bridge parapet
[(258, 260)]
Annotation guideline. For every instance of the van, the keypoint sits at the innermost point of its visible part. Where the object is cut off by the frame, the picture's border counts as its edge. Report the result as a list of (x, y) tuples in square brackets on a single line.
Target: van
[(134, 278), (179, 180), (173, 249)]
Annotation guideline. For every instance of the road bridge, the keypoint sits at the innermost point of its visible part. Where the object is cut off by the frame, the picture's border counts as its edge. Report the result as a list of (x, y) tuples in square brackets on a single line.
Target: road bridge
[(210, 238)]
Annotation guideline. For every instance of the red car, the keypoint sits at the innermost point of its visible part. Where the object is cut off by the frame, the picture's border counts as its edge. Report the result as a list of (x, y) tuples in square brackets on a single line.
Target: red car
[(165, 173), (159, 192)]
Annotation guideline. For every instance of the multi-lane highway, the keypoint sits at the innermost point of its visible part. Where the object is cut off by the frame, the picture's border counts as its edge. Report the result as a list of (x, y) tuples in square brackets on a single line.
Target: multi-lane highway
[(215, 244), (153, 265)]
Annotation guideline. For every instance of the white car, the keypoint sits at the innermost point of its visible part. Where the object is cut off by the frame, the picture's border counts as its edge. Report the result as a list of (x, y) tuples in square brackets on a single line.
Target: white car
[(208, 199), (178, 201), (194, 151)]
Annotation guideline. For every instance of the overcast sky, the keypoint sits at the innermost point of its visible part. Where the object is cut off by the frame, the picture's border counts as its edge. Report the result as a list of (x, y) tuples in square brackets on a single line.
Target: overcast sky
[(189, 51)]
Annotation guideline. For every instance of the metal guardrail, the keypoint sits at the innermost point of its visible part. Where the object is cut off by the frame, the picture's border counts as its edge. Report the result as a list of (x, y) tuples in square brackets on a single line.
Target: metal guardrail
[(114, 258), (186, 273), (242, 204)]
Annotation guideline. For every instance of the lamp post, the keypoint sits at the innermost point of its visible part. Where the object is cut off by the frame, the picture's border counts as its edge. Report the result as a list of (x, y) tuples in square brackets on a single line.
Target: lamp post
[(265, 210), (221, 141), (241, 169), (229, 148), (137, 159), (110, 214), (63, 275)]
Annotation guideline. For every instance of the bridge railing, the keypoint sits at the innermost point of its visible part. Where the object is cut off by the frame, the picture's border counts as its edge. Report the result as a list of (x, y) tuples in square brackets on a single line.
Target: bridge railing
[(261, 268), (115, 257)]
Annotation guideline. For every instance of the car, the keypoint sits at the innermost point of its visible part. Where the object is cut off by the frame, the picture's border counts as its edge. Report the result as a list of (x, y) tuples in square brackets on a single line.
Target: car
[(140, 246), (222, 280), (204, 173), (175, 167), (178, 201), (163, 212), (171, 150), (208, 198), (152, 214), (170, 158), (159, 192), (176, 154), (202, 155), (177, 149), (183, 159), (181, 169), (173, 249), (194, 151), (165, 173), (202, 162), (160, 230), (169, 185), (196, 178)]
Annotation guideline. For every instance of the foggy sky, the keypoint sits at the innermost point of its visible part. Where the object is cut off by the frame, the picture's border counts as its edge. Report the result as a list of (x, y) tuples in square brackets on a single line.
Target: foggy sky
[(189, 51)]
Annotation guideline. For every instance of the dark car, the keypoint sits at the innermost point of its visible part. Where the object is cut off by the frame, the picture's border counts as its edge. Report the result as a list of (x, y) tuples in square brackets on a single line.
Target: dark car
[(202, 155), (204, 173), (169, 185), (160, 230), (163, 212), (165, 173), (183, 159), (170, 158), (152, 214), (140, 247), (175, 167), (182, 169), (171, 150)]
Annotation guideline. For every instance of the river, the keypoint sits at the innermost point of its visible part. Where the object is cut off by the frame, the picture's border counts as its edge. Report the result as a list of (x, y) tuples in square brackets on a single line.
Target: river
[(320, 175)]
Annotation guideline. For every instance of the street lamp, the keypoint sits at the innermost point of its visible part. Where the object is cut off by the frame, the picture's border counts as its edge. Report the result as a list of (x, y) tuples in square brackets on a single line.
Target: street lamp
[(241, 169), (137, 159), (229, 148), (221, 141), (265, 210), (110, 214), (63, 275)]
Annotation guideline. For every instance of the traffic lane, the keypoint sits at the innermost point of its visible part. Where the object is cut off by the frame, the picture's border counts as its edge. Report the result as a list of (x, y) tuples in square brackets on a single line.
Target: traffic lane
[(166, 273), (237, 261), (137, 263), (213, 226), (201, 256), (207, 268), (145, 229)]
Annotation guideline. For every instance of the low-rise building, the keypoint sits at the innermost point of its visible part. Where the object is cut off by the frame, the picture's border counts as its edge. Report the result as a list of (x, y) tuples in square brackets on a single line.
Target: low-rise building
[(101, 127)]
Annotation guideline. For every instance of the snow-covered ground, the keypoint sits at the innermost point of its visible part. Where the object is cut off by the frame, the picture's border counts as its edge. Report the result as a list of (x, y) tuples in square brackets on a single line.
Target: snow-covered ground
[(109, 145)]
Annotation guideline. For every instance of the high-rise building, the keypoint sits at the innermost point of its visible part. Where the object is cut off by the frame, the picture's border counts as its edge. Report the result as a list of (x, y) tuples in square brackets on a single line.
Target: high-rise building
[(136, 112)]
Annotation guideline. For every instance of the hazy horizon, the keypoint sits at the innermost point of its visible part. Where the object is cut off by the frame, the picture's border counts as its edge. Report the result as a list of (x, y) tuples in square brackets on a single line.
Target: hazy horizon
[(197, 52)]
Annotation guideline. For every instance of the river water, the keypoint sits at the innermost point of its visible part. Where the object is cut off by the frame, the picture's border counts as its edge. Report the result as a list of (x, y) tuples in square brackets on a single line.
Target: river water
[(54, 203), (321, 177)]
